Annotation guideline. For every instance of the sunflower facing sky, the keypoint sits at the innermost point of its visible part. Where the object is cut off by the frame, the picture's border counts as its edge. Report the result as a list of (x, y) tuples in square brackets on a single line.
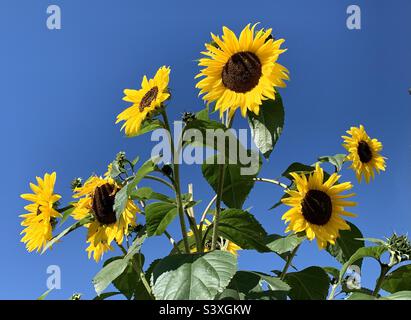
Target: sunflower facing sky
[(317, 207), (96, 197), (364, 153), (145, 101), (39, 220), (241, 72)]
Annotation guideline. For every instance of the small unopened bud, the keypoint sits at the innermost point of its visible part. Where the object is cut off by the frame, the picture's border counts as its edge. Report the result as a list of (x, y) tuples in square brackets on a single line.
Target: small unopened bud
[(188, 117), (76, 183), (399, 248)]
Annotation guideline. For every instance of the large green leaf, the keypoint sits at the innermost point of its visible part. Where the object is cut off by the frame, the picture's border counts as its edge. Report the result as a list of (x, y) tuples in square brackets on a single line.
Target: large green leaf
[(398, 280), (193, 276), (372, 252), (243, 229), (248, 285), (361, 296), (123, 195), (336, 160), (311, 283), (297, 167), (236, 186), (158, 216), (400, 295), (115, 267), (65, 232), (347, 244), (266, 127), (283, 244)]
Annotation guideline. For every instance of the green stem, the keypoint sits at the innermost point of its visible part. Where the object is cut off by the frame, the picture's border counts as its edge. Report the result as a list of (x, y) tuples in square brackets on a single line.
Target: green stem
[(276, 182), (143, 279), (177, 188), (221, 173), (384, 270), (159, 180), (288, 263), (332, 293), (122, 248)]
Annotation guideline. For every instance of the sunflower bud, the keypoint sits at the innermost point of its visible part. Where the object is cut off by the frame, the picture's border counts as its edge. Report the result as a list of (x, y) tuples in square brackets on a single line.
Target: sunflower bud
[(76, 183), (75, 296), (188, 117), (399, 248), (167, 170)]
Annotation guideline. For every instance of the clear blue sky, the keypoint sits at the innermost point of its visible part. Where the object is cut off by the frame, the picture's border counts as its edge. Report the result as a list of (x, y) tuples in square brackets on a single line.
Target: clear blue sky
[(61, 91)]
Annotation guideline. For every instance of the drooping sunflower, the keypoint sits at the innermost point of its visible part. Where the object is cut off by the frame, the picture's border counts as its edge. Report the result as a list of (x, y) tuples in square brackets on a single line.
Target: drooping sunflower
[(96, 198), (145, 101), (317, 207), (364, 153), (42, 214), (241, 72)]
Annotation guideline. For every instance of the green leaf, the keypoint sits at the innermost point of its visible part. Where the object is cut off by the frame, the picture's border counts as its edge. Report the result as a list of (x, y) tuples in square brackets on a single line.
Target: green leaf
[(146, 193), (283, 244), (311, 283), (65, 232), (248, 285), (361, 296), (106, 295), (148, 126), (236, 186), (266, 128), (400, 295), (122, 196), (115, 267), (346, 245), (334, 272), (398, 280), (337, 160), (203, 114), (193, 276), (373, 252), (66, 214), (243, 229), (297, 167), (158, 216)]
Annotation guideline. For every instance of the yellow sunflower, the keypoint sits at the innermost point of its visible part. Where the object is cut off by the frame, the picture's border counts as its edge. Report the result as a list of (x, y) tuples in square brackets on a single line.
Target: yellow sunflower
[(41, 216), (364, 153), (317, 207), (241, 72), (150, 97), (96, 197)]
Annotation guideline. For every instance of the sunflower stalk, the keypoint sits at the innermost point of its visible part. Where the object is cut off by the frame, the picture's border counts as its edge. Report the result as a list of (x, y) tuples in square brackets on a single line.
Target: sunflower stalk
[(176, 182), (288, 262)]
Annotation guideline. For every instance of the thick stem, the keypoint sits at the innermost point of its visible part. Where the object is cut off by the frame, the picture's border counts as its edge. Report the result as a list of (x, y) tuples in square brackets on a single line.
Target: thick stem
[(384, 270), (288, 263), (221, 173), (177, 188)]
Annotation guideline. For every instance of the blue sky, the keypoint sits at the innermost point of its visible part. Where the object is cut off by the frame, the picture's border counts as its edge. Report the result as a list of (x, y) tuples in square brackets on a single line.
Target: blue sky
[(61, 91)]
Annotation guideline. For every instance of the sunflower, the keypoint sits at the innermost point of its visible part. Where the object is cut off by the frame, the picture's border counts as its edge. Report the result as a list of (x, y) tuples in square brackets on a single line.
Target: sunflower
[(317, 207), (241, 72), (96, 197), (364, 153), (42, 215), (145, 101)]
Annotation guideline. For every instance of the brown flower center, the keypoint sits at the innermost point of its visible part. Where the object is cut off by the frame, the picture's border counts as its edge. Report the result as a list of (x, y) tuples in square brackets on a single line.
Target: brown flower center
[(364, 152), (103, 204), (317, 207), (148, 98), (242, 72)]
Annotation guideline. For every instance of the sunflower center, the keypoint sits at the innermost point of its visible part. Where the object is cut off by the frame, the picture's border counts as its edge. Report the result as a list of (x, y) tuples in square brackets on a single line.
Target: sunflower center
[(317, 207), (364, 152), (148, 98), (103, 204), (242, 72)]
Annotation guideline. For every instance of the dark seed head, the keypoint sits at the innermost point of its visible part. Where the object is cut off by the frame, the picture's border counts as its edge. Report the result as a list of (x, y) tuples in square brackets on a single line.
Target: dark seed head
[(103, 204), (242, 72), (364, 152), (148, 98), (317, 207)]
